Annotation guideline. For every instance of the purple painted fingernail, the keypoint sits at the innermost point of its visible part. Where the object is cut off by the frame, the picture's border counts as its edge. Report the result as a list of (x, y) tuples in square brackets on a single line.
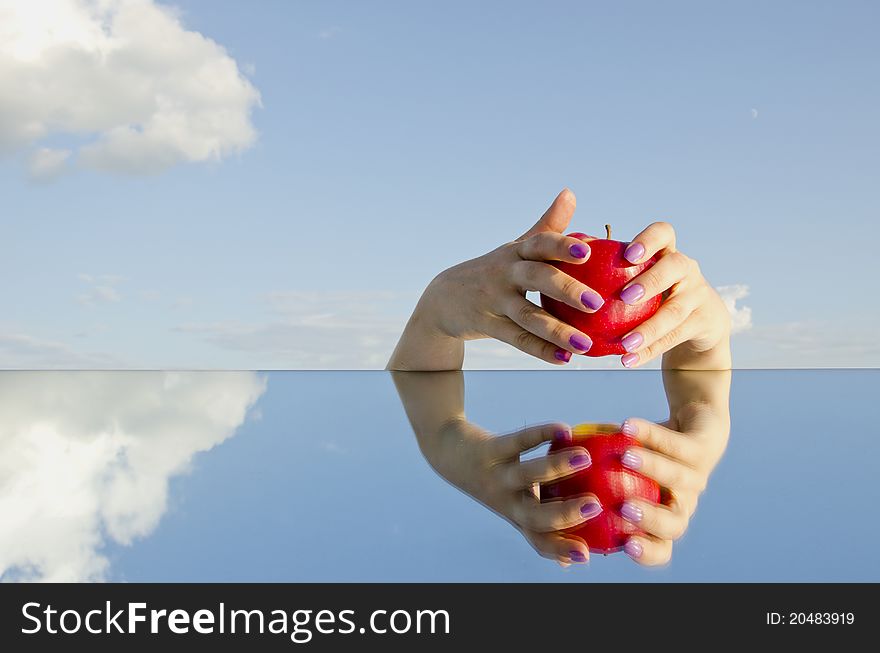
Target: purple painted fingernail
[(579, 250), (633, 549), (580, 461), (631, 460), (631, 512), (577, 556), (629, 360), (632, 294), (562, 355), (592, 299), (580, 342), (634, 252), (591, 509), (562, 435), (632, 341), (628, 428)]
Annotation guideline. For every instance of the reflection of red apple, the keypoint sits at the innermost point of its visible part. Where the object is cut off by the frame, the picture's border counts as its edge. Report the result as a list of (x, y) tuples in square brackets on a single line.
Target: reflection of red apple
[(609, 480), (606, 272)]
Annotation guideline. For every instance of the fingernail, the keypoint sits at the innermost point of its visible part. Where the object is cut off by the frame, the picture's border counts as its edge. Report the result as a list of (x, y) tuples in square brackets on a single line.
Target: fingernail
[(628, 428), (631, 460), (634, 252), (580, 460), (590, 509), (632, 341), (633, 549), (592, 299), (629, 360), (562, 355), (632, 294), (631, 512), (581, 342), (579, 250), (562, 435), (577, 556)]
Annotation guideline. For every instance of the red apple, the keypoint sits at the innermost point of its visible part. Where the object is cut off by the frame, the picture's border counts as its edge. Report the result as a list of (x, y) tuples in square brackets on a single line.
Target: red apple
[(608, 479), (606, 272)]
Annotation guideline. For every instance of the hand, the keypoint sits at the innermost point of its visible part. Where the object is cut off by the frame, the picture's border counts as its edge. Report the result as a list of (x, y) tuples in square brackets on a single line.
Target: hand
[(486, 298), (488, 468), (680, 455), (692, 316)]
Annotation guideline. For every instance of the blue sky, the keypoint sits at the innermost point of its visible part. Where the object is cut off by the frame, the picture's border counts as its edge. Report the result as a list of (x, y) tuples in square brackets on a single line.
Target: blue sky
[(394, 139)]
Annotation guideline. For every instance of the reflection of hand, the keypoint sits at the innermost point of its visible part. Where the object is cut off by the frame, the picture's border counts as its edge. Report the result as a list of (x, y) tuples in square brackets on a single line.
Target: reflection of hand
[(680, 455), (489, 469)]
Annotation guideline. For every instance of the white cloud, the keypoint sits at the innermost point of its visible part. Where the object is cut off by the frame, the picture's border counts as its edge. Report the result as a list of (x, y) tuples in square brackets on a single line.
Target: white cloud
[(24, 352), (754, 113), (86, 457), (125, 77), (740, 316), (46, 163), (102, 289), (315, 330)]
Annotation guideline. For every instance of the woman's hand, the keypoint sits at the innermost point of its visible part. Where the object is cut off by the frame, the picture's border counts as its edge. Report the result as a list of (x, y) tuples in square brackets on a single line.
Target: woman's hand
[(692, 324), (485, 298), (680, 456)]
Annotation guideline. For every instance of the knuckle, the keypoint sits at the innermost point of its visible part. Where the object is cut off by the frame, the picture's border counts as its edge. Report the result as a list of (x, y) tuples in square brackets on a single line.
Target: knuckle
[(676, 310), (525, 272), (558, 331), (570, 287), (671, 446), (648, 330), (651, 279), (524, 340), (526, 313)]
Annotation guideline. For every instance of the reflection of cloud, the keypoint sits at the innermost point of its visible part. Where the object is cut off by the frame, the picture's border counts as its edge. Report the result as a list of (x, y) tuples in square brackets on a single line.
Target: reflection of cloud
[(740, 316), (85, 457), (139, 90), (328, 33)]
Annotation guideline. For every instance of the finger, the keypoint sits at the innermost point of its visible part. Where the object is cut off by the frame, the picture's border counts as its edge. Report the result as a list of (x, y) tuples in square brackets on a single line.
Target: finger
[(514, 444), (665, 522), (521, 475), (674, 311), (536, 320), (656, 437), (508, 331), (665, 273), (550, 246), (566, 550), (557, 217), (553, 282), (673, 474), (656, 237), (664, 343), (648, 551), (553, 515)]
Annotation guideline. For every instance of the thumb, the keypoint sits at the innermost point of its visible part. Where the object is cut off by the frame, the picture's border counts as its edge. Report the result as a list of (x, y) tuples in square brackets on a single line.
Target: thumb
[(557, 217)]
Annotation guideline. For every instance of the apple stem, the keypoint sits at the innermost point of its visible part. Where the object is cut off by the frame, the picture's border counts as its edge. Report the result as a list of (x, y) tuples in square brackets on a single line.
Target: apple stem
[(608, 231)]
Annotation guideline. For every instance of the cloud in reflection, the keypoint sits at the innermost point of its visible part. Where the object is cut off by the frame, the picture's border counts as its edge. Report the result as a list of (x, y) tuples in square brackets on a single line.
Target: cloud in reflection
[(86, 457)]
